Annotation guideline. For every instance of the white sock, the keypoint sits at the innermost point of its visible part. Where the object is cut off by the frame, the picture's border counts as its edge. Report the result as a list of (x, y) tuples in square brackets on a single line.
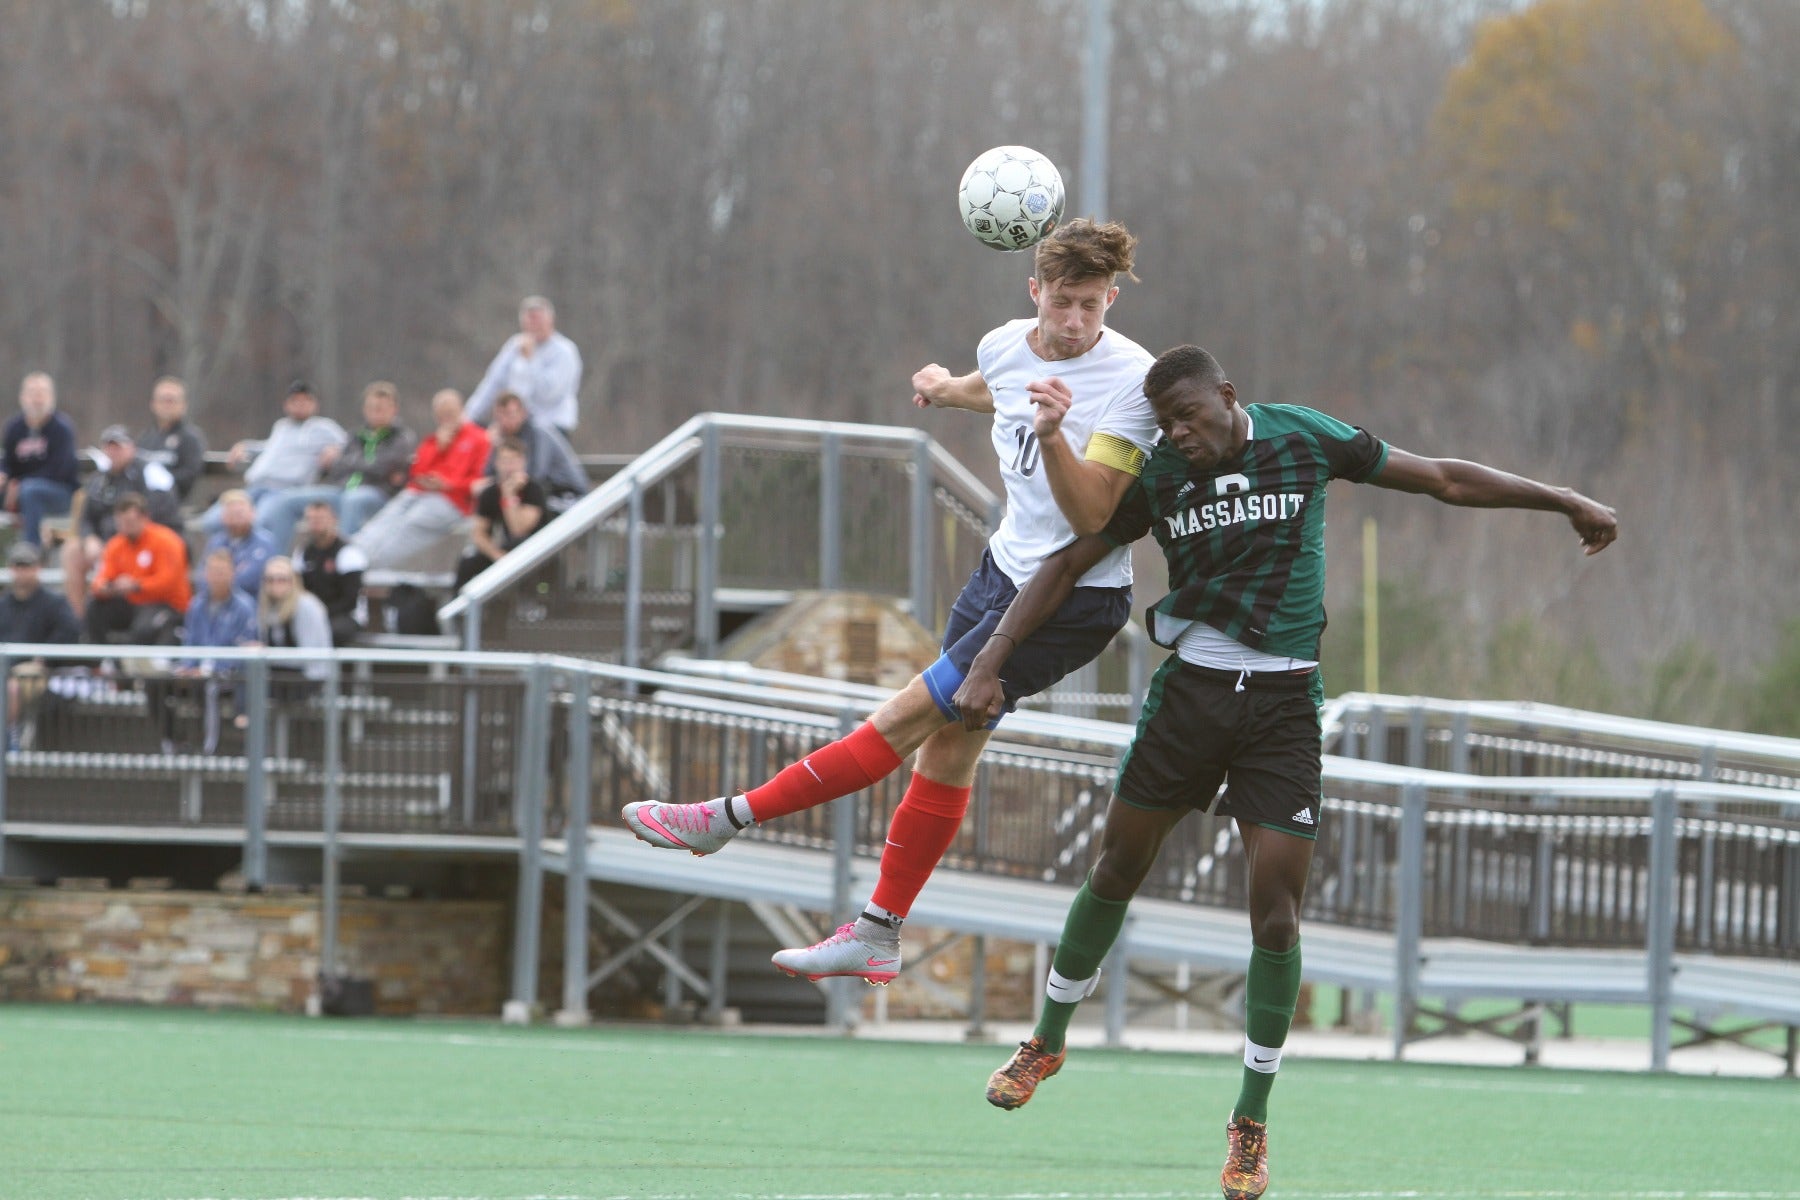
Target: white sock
[(1266, 1059), (739, 807), (1064, 990), (882, 914)]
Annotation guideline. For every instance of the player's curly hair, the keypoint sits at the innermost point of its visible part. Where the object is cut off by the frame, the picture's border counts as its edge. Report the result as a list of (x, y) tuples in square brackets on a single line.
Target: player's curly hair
[(1083, 250), (1183, 362)]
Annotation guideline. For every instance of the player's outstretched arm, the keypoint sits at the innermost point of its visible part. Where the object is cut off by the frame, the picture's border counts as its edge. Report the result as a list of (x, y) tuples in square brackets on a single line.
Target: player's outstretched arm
[(980, 698), (936, 387), (1472, 485)]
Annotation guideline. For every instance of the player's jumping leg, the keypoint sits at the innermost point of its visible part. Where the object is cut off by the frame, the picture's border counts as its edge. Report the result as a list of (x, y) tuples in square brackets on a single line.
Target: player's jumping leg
[(871, 753), (1279, 862), (922, 828), (1128, 846)]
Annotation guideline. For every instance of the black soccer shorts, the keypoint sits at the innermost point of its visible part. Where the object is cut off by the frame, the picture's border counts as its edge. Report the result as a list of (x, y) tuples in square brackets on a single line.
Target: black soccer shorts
[(1198, 730)]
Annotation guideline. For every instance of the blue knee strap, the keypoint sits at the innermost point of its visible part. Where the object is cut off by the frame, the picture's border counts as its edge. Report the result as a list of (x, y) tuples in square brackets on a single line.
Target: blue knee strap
[(942, 678)]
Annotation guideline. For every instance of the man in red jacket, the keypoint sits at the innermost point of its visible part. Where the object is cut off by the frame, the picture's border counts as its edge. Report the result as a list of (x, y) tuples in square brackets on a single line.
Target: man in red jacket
[(435, 503), (141, 588)]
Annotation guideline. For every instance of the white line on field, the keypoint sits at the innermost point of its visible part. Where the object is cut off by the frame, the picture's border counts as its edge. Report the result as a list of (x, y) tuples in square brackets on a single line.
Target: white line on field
[(1293, 1194)]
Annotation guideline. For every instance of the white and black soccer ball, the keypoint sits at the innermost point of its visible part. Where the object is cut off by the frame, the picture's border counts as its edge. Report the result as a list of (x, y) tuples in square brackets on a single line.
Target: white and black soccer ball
[(1011, 197)]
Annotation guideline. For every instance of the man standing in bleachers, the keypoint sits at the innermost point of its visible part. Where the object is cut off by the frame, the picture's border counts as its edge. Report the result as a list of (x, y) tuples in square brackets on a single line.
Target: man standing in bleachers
[(38, 470), (538, 364)]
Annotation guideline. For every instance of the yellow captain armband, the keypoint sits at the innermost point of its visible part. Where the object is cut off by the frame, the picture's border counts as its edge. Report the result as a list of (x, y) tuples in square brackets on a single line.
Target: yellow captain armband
[(1110, 450)]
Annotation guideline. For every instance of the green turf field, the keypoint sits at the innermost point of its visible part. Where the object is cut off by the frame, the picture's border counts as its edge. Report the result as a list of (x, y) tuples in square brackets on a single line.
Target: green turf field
[(113, 1104)]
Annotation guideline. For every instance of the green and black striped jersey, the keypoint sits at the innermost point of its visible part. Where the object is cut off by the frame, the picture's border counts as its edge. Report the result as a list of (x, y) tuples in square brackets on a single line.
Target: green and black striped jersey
[(1245, 540)]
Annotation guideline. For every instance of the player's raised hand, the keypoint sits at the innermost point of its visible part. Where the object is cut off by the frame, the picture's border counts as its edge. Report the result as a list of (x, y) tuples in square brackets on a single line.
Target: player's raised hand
[(1053, 399), (928, 383), (1597, 524)]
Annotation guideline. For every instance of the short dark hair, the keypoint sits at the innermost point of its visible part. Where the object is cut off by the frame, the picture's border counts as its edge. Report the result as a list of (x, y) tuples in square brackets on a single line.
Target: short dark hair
[(509, 398), (511, 445), (1182, 363), (129, 501)]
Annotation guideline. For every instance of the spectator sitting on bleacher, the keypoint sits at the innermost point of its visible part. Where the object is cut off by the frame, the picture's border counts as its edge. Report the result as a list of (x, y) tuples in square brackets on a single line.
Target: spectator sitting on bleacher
[(123, 474), (288, 615), (432, 507), (359, 477), (172, 441), (506, 513), (221, 615), (332, 570), (549, 459), (28, 613), (141, 589), (38, 470), (300, 445), (239, 537)]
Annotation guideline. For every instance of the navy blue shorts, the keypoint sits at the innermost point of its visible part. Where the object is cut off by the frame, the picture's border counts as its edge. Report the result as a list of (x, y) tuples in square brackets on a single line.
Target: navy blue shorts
[(1073, 637)]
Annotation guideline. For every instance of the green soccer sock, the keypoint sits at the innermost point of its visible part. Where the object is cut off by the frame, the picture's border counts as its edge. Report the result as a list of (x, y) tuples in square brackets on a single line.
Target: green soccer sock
[(1271, 990), (1089, 932)]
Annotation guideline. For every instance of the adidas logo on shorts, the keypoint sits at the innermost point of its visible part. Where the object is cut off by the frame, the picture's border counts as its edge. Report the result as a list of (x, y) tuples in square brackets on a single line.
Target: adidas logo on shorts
[(1303, 817)]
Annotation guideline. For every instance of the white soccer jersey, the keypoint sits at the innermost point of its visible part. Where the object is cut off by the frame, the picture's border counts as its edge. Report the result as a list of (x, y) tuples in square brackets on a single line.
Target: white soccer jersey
[(1110, 422)]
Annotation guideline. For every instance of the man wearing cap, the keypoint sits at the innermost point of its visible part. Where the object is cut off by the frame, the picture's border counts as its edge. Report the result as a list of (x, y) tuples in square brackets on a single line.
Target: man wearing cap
[(28, 613), (359, 477), (141, 589), (300, 444), (37, 458), (121, 472)]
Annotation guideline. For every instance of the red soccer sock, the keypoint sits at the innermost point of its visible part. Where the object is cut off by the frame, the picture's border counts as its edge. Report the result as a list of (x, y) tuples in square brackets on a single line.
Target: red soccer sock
[(922, 829), (847, 765)]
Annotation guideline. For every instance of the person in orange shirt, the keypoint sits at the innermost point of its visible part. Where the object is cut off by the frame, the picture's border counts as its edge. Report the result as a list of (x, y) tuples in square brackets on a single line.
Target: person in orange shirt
[(142, 586), (435, 504)]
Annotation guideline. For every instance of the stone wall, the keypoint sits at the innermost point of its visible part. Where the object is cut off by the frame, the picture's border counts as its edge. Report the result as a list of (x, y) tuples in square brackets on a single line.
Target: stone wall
[(837, 635), (223, 950)]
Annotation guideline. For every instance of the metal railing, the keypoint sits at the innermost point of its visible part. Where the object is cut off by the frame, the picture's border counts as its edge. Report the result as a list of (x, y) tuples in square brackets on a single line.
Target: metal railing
[(736, 510), (533, 749), (735, 515), (1486, 737)]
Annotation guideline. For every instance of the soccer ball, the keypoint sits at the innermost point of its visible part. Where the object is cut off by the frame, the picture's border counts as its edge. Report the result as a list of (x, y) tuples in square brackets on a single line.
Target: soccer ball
[(1011, 197)]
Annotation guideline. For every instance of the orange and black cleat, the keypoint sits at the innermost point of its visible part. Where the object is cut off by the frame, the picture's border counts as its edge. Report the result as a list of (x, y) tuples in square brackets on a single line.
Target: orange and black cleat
[(1012, 1085), (1246, 1173)]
